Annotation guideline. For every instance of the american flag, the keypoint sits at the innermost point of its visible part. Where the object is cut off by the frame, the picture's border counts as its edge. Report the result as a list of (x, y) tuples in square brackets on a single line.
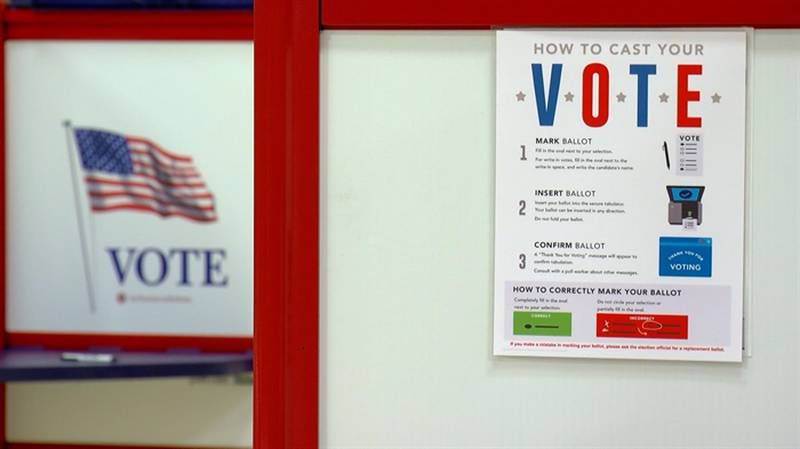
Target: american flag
[(135, 174)]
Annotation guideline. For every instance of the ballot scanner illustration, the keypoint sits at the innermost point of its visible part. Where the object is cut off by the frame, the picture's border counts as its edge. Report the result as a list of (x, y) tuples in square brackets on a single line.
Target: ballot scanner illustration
[(685, 207)]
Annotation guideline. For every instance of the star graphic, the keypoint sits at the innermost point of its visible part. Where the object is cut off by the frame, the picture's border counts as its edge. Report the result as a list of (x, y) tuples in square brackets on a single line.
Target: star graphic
[(663, 97), (716, 97), (621, 97), (568, 97), (520, 96)]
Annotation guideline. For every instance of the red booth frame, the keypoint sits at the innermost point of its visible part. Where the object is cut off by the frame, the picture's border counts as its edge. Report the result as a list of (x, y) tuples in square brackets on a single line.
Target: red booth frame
[(107, 26), (286, 407)]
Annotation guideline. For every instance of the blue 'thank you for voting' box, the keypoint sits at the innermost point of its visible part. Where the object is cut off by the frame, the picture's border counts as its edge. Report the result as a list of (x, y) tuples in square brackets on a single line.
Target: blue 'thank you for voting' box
[(684, 256)]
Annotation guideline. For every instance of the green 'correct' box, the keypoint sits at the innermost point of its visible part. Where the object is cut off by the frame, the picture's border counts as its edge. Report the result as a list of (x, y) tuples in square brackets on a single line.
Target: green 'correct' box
[(558, 324)]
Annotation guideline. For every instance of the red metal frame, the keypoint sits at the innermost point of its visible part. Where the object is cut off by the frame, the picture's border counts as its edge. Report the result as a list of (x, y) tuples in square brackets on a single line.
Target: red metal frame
[(128, 25), (286, 229), (131, 342), (287, 177), (472, 14)]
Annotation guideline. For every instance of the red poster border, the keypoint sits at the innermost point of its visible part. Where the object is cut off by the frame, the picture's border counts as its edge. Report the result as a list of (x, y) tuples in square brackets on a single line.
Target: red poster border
[(286, 405)]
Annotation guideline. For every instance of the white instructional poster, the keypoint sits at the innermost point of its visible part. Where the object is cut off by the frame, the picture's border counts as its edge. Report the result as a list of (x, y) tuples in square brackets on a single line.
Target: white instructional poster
[(619, 214), (129, 188)]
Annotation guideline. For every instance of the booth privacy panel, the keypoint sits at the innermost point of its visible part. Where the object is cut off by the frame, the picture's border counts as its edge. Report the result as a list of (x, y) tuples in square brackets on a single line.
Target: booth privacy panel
[(129, 187)]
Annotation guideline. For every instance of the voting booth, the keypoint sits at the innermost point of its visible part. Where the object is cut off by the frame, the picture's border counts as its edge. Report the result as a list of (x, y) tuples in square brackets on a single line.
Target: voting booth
[(498, 224), (128, 186)]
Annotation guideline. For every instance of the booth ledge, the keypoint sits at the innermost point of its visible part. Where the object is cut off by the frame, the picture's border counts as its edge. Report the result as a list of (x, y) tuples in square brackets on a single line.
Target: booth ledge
[(36, 364)]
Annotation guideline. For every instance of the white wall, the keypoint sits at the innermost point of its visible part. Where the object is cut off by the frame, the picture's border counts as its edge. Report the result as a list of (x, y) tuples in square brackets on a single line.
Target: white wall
[(406, 298)]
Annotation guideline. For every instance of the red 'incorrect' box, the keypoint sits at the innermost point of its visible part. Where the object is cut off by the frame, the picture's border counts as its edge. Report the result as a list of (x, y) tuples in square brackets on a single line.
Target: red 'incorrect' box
[(625, 325)]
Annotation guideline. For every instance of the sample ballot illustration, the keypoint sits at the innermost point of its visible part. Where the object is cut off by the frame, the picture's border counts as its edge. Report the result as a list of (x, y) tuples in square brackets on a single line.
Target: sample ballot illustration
[(690, 155)]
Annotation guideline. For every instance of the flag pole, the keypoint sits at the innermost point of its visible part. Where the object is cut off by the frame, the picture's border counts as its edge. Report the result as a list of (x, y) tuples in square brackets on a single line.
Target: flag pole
[(79, 213)]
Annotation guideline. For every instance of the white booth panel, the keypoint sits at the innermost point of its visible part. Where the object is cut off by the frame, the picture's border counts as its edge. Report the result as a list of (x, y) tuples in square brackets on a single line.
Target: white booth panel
[(196, 94), (165, 248), (407, 149)]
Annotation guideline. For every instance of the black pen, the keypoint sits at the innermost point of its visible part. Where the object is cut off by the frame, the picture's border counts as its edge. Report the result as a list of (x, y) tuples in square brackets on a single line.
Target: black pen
[(666, 154)]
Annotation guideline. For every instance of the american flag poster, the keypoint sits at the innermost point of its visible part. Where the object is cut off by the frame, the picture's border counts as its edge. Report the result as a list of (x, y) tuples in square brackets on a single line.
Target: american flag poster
[(128, 173), (130, 186)]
